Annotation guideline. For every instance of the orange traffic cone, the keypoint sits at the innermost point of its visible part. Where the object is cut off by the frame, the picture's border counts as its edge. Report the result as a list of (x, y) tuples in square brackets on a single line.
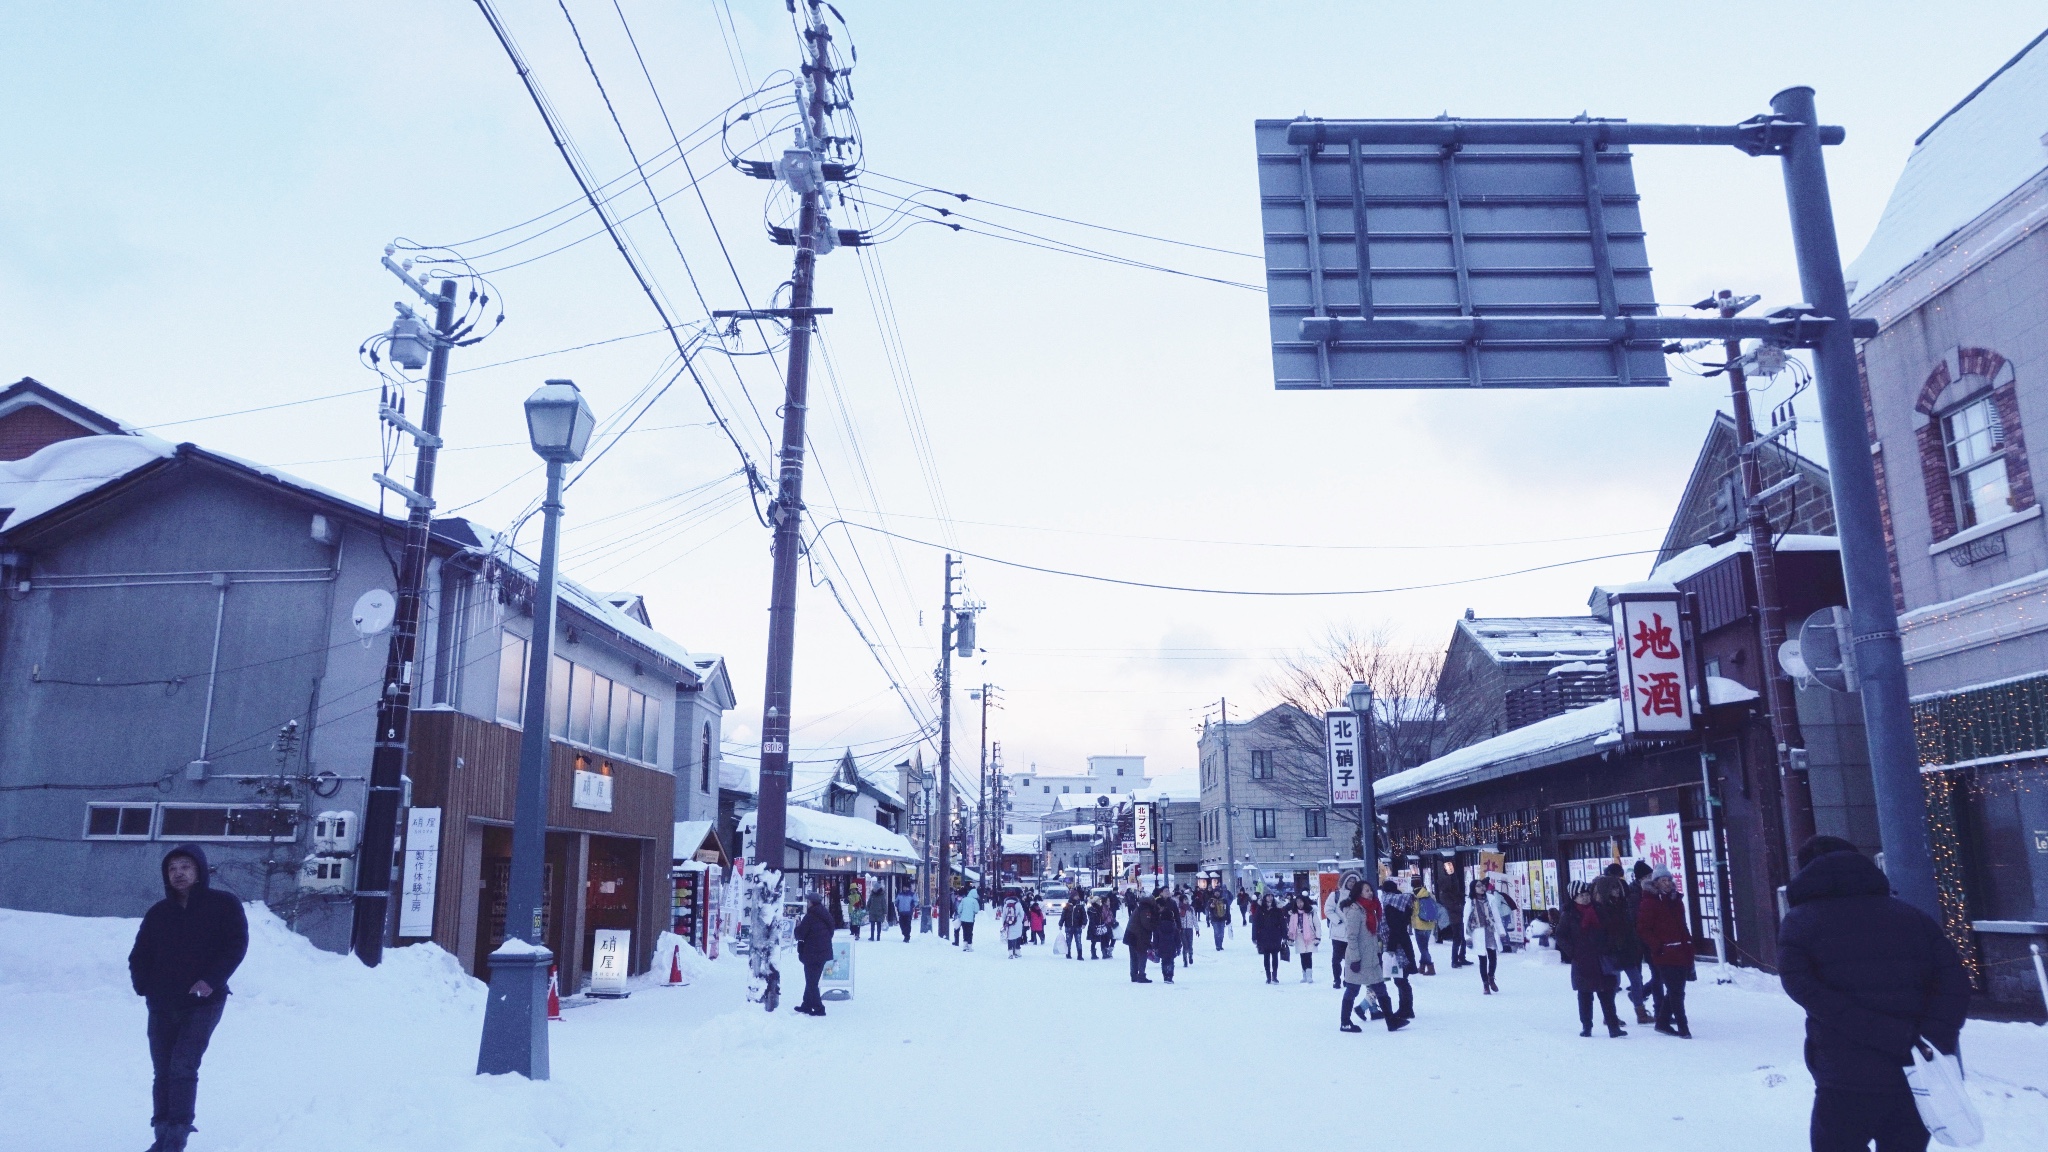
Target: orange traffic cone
[(675, 965), (554, 995)]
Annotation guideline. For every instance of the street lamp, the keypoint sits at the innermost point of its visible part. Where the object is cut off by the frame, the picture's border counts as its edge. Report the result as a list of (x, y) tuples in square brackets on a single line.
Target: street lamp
[(924, 923), (558, 422), (1360, 700)]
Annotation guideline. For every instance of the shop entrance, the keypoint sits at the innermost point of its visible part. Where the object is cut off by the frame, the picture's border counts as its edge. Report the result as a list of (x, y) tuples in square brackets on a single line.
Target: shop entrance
[(611, 890)]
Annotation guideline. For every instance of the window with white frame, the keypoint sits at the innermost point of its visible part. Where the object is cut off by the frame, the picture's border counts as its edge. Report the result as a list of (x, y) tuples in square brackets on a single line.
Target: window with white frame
[(119, 821), (245, 822), (511, 678), (1974, 439)]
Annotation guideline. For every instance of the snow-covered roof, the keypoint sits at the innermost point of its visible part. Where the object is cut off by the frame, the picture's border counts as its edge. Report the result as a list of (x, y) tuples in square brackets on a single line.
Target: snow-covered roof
[(1700, 557), (824, 832), (68, 469), (1976, 155), (689, 837), (1019, 844), (1539, 638), (735, 778), (593, 605), (1722, 690), (1546, 742)]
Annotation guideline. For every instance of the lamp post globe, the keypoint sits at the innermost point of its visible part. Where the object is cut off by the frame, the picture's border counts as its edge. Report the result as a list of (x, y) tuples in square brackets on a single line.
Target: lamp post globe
[(559, 422)]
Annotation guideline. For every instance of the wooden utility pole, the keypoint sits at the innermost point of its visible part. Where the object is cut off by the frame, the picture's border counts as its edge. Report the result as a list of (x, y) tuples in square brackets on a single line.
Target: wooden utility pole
[(786, 512), (946, 757), (1794, 789)]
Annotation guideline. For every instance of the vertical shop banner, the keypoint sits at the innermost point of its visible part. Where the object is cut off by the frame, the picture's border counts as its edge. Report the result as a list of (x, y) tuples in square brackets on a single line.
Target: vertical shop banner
[(608, 954), (422, 860), (1650, 666), (1659, 841), (1346, 780), (1518, 890), (1141, 824)]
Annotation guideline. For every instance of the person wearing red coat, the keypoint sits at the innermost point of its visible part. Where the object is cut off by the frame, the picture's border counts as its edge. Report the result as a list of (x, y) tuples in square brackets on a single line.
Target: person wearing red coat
[(1667, 944)]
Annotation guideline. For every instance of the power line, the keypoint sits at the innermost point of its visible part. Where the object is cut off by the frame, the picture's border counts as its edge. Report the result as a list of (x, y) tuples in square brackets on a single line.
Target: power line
[(1240, 591), (964, 198)]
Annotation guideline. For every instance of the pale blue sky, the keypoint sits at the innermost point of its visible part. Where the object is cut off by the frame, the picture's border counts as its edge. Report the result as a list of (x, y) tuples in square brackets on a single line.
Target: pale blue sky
[(197, 195)]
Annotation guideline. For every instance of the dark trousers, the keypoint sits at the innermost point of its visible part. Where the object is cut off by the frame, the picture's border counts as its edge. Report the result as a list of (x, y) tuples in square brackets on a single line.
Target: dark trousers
[(1187, 946), (1457, 940), (178, 1033), (874, 927), (1272, 962), (1337, 950), (1488, 965), (967, 932), (1138, 963), (1639, 989), (1219, 926), (1166, 965), (1849, 1121), (1670, 991), (903, 921), (1606, 991), (811, 1001), (1406, 1009)]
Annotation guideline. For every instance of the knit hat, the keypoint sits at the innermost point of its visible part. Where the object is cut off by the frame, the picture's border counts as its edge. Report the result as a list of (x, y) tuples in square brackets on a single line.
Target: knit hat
[(1660, 872)]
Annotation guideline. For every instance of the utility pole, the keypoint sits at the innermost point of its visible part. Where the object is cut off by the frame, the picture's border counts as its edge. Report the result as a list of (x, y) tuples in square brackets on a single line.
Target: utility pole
[(946, 756), (394, 706), (1797, 826), (786, 512), (982, 807), (1866, 567)]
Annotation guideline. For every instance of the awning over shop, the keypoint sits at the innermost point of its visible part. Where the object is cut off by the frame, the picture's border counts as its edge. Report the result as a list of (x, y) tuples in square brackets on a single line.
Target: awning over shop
[(1581, 732)]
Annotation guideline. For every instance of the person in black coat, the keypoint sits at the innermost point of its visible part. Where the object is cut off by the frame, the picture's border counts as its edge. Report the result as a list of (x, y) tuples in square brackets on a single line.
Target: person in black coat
[(814, 951), (190, 942), (1269, 935), (1875, 975), (1138, 937), (1589, 938), (1165, 933)]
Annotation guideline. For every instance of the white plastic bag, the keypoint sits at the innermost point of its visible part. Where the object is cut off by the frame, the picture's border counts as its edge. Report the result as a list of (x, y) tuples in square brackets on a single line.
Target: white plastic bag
[(1937, 1084)]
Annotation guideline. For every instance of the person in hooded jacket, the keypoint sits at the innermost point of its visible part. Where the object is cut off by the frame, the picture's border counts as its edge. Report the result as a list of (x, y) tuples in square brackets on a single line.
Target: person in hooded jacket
[(1016, 924), (1667, 944), (1483, 929), (189, 943), (1875, 975), (1034, 914), (1397, 943), (1360, 915), (1301, 930), (1219, 916), (1338, 939), (1632, 958), (1074, 922), (1588, 937), (1269, 935), (1190, 925), (1165, 933), (1138, 938), (814, 951)]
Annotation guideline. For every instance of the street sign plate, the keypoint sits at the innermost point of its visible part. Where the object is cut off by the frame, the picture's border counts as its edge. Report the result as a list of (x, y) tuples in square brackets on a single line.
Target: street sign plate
[(1547, 230)]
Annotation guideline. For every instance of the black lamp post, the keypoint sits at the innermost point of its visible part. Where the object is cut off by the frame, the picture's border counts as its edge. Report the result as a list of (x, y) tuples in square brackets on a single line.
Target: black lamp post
[(559, 423), (1360, 699)]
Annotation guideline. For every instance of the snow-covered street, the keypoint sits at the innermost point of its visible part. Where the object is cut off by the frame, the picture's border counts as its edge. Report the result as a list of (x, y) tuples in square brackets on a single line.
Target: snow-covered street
[(317, 1052)]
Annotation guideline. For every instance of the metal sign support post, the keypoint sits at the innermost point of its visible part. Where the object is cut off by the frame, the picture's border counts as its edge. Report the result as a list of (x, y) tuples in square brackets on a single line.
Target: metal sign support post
[(1866, 568)]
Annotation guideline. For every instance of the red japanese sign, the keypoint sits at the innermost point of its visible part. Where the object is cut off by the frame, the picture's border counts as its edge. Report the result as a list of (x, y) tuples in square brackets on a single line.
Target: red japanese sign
[(1650, 660)]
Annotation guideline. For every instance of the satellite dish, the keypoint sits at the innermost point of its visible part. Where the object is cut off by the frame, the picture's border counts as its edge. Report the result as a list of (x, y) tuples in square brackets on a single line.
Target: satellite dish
[(1824, 649), (374, 612), (1793, 661)]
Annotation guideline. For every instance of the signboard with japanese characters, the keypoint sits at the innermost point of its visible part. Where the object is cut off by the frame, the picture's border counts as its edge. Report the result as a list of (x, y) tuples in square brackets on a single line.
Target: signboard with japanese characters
[(593, 789), (1659, 841), (608, 951), (1142, 825), (1650, 662), (1347, 767), (422, 863)]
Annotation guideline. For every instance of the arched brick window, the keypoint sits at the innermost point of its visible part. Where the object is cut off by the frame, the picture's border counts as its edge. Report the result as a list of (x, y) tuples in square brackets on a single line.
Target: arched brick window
[(1973, 453)]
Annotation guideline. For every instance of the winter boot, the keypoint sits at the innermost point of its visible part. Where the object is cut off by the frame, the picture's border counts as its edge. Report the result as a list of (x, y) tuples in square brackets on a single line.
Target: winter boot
[(171, 1137), (1616, 1031), (1643, 1015), (1586, 1030)]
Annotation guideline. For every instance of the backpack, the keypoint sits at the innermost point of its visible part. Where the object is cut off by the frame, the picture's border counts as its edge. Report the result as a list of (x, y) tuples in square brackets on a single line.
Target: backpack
[(1431, 910)]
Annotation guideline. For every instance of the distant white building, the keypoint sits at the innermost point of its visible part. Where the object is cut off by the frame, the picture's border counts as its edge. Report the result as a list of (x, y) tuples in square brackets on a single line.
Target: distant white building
[(1034, 793)]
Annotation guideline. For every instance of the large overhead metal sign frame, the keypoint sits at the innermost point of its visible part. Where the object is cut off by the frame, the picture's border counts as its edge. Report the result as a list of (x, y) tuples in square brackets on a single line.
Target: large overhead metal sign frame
[(1473, 253), (1489, 259)]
